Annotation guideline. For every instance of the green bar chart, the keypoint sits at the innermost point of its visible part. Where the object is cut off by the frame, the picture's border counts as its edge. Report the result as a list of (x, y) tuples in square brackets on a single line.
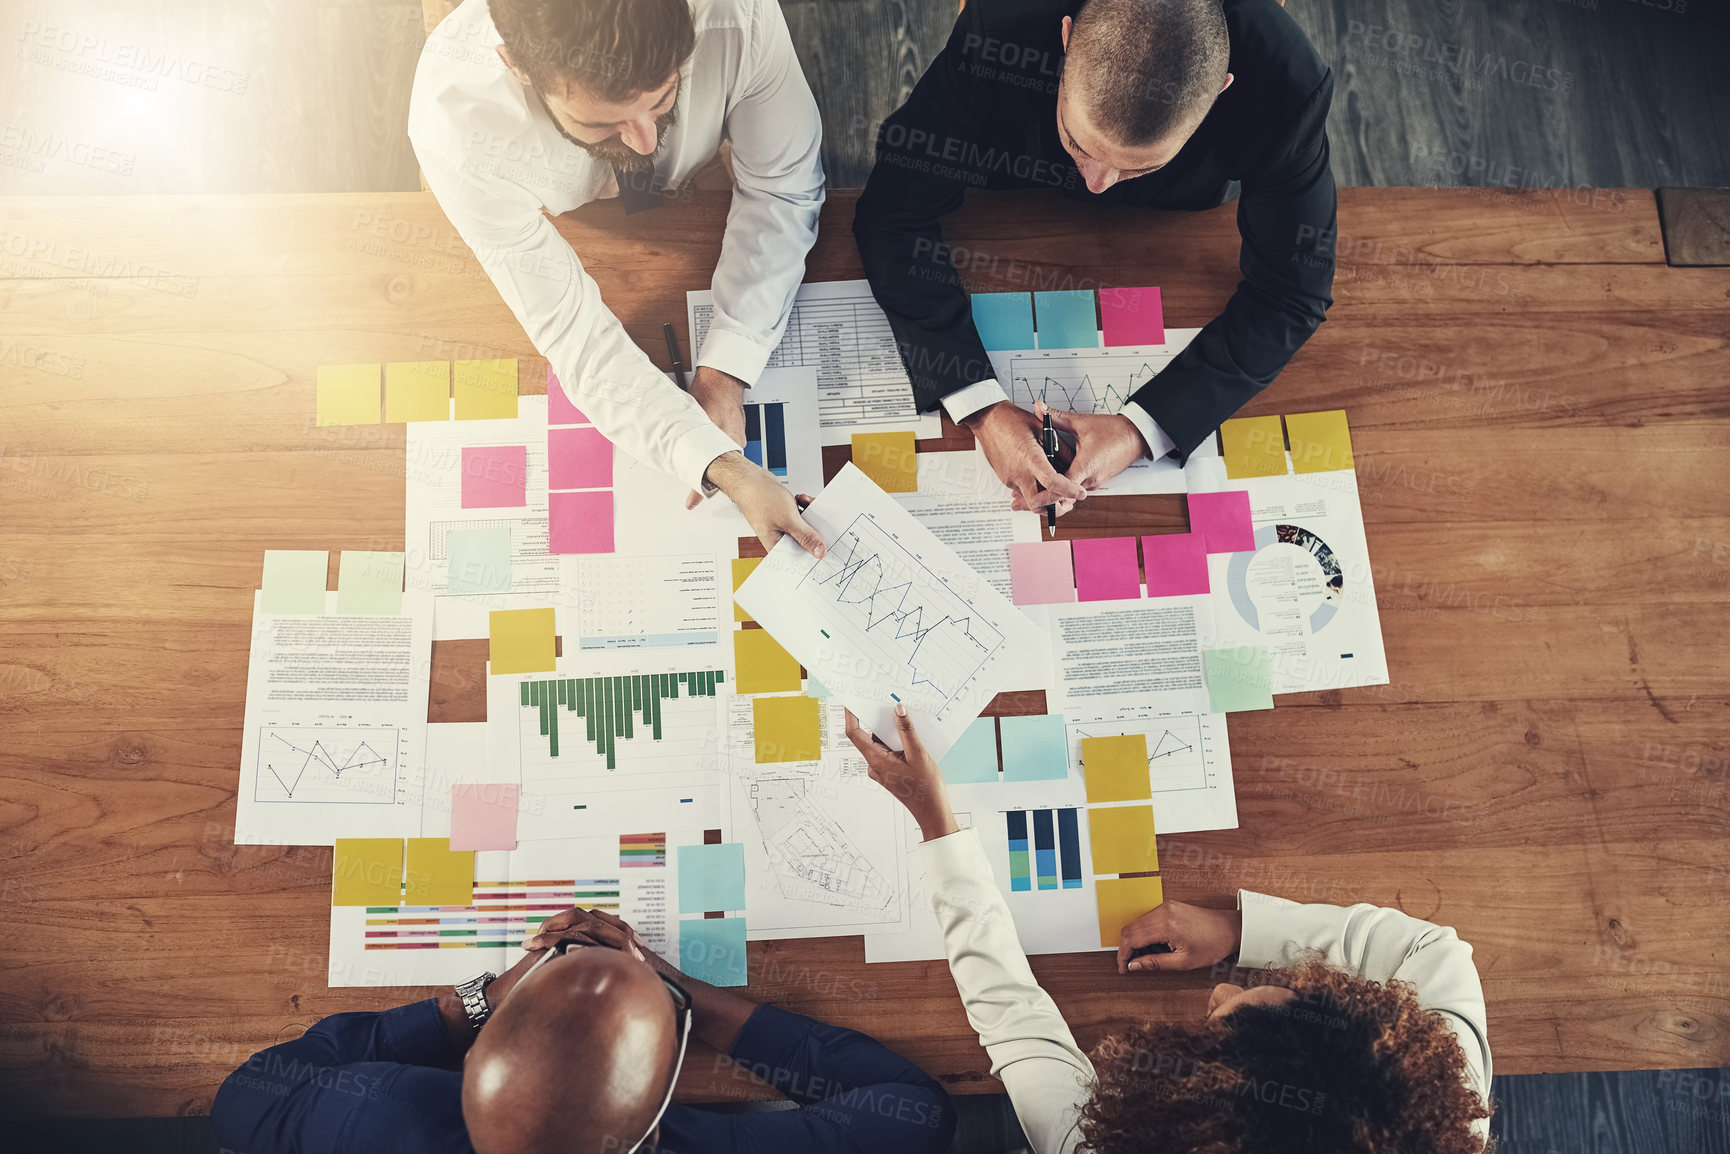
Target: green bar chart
[(613, 708)]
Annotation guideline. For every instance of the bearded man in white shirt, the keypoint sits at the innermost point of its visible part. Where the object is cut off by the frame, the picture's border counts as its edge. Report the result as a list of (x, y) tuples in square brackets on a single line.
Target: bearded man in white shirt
[(520, 105)]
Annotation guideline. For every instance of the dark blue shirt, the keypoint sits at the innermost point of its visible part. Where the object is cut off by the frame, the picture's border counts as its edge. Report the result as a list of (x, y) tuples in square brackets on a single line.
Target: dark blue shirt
[(392, 1081)]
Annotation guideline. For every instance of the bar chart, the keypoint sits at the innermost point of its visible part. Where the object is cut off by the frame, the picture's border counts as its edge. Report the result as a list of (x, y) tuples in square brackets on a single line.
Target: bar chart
[(766, 436), (613, 708), (1051, 859)]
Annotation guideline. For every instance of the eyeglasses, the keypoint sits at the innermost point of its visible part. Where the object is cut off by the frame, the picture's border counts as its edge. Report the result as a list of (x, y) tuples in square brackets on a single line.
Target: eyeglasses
[(682, 1017)]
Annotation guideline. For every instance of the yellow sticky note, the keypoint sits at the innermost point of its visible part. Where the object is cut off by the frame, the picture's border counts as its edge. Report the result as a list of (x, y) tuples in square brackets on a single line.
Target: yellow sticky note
[(761, 665), (417, 391), (890, 459), (434, 874), (348, 395), (485, 390), (1320, 442), (786, 728), (1122, 839), (1116, 768), (743, 567), (367, 872), (1253, 447), (521, 641), (1121, 901)]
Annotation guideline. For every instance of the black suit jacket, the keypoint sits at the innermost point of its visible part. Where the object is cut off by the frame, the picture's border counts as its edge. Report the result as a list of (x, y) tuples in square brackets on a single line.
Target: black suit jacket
[(984, 115)]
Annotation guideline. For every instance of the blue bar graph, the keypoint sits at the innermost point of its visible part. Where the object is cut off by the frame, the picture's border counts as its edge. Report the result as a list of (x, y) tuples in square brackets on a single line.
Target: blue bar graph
[(1020, 877), (766, 436), (1069, 837), (1044, 850)]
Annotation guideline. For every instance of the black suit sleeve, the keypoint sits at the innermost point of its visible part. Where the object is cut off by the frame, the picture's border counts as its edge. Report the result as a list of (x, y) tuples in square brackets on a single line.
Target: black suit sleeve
[(1286, 216)]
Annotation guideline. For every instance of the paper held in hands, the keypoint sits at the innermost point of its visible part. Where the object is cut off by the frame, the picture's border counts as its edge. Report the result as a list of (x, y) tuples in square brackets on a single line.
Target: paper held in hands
[(891, 614)]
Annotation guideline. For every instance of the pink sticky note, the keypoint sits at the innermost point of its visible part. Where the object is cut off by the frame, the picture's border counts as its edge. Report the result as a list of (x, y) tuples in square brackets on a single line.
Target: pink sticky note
[(1222, 519), (579, 459), (1131, 316), (484, 816), (1041, 573), (1105, 569), (560, 411), (580, 522), (495, 477), (1176, 564)]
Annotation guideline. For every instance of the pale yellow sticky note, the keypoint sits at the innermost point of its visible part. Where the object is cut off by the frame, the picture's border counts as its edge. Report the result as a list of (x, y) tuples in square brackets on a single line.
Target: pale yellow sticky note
[(1122, 839), (434, 874), (1116, 768), (890, 459), (1320, 442), (367, 872), (786, 728), (761, 665), (743, 567), (521, 641), (417, 391), (485, 390), (348, 395), (1252, 447), (1121, 901)]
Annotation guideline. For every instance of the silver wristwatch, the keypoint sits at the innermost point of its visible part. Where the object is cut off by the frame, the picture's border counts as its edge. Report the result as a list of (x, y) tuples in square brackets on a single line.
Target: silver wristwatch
[(474, 995)]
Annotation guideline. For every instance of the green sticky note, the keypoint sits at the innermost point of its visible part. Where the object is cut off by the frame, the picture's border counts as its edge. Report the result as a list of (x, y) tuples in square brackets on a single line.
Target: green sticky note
[(1237, 679), (713, 950), (1067, 319), (1035, 748), (711, 877), (369, 584), (973, 757), (294, 580)]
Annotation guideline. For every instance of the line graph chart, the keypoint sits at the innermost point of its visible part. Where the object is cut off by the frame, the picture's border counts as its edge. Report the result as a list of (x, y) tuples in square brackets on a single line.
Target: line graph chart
[(336, 764), (1100, 383), (1178, 749), (901, 611)]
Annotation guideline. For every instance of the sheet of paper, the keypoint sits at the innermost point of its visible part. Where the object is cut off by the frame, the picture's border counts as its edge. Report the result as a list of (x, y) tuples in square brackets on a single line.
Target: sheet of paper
[(348, 395), (787, 728), (579, 458), (335, 725), (783, 431), (522, 641), (456, 754), (1253, 447), (484, 816), (1131, 316), (1004, 320), (1222, 520), (485, 390), (645, 602), (1176, 564), (889, 459), (713, 950), (891, 614), (1034, 748), (580, 522), (1066, 319), (1302, 586), (837, 328), (1041, 573), (1320, 442), (366, 871), (294, 580), (1091, 380), (495, 476), (1106, 569), (965, 506), (1122, 838), (973, 757), (417, 391), (613, 741), (1118, 659), (369, 583), (1121, 901), (823, 854)]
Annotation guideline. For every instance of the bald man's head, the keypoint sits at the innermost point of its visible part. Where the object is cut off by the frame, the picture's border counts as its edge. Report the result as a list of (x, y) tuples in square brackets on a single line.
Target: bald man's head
[(1147, 71), (576, 1060)]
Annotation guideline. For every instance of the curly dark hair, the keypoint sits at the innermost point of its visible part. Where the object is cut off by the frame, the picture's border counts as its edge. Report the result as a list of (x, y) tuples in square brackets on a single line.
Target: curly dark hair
[(1348, 1066)]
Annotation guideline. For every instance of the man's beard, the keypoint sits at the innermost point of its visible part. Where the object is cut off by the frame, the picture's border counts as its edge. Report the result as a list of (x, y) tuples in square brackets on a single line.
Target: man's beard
[(615, 151)]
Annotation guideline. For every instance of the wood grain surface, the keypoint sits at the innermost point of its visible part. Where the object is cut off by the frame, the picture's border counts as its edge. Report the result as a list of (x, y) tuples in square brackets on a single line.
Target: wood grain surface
[(1540, 422)]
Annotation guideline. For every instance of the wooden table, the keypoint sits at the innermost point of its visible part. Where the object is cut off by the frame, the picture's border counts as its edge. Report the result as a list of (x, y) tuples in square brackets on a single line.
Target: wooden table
[(1541, 422)]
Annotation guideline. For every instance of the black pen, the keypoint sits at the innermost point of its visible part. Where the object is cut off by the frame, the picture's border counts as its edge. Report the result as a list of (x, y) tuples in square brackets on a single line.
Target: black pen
[(673, 351), (1049, 438)]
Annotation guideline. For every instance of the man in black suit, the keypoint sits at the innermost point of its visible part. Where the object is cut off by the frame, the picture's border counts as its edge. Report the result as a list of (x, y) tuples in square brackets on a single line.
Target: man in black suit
[(1170, 104)]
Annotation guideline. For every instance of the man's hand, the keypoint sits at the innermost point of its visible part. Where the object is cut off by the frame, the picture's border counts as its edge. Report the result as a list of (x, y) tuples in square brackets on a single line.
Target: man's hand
[(1193, 936), (723, 398), (597, 926), (911, 775), (1009, 434), (1105, 445), (772, 511)]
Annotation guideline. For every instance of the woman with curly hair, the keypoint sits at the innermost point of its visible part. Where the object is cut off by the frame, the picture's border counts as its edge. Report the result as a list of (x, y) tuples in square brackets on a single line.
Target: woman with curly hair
[(1349, 1030)]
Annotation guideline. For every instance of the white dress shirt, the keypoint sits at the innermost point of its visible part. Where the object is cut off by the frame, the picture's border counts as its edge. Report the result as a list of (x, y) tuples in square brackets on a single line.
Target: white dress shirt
[(494, 158), (1032, 1051)]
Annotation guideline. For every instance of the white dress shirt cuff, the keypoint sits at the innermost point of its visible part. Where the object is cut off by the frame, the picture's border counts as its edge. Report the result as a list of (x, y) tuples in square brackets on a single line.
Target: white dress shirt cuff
[(696, 451), (734, 354), (1264, 941), (1158, 444), (963, 403)]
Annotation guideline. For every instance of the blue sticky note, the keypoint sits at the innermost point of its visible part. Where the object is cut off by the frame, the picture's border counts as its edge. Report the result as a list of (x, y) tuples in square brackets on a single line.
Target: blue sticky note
[(1004, 320), (480, 560), (1035, 748), (711, 877), (815, 688), (1067, 320), (973, 757), (713, 950)]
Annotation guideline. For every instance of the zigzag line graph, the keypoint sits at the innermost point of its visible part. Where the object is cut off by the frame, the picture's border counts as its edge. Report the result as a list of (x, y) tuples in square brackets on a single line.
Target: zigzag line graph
[(341, 765), (1100, 384), (904, 610)]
